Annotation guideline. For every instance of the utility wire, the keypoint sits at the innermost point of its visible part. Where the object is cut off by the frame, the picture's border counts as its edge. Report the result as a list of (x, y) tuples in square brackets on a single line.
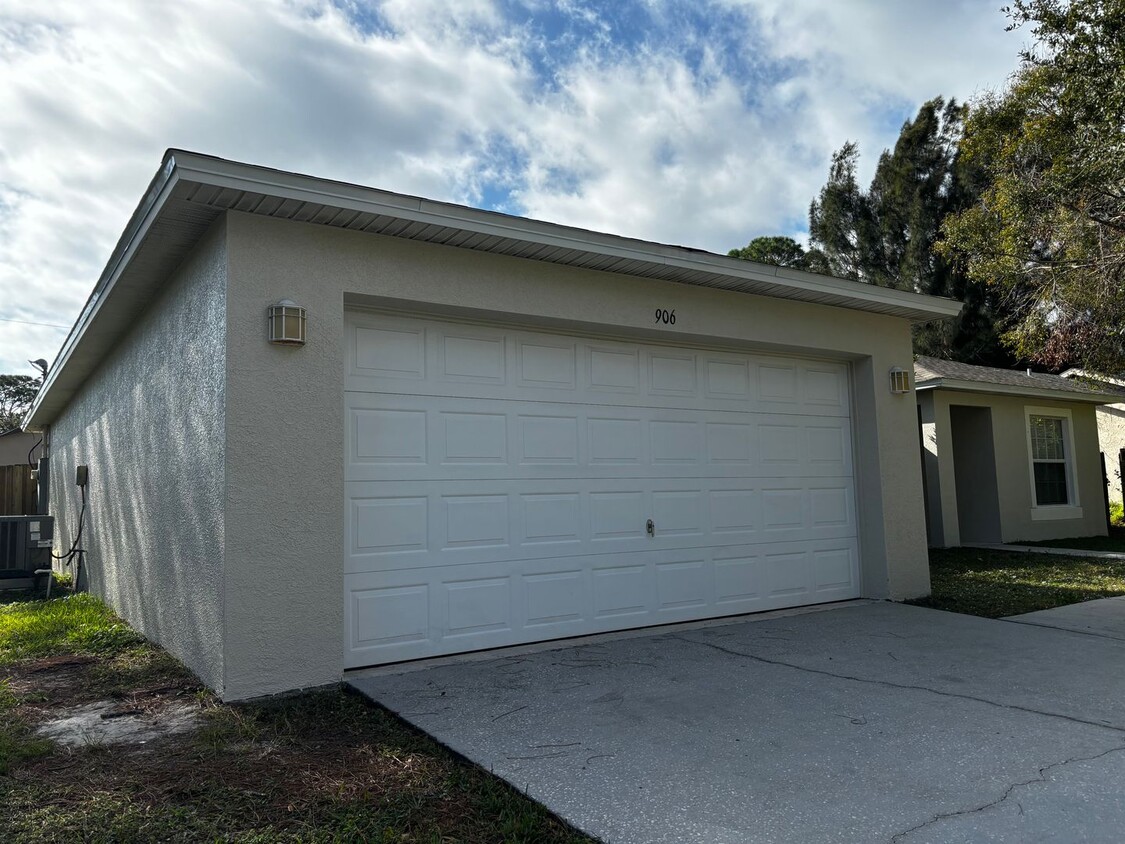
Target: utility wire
[(29, 322)]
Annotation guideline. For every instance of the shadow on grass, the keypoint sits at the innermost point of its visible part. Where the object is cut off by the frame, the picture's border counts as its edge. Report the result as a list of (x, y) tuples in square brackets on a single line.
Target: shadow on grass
[(995, 584)]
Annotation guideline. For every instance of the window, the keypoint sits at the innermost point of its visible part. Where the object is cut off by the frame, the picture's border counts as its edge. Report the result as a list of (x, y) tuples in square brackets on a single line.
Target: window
[(1051, 464), (1049, 459)]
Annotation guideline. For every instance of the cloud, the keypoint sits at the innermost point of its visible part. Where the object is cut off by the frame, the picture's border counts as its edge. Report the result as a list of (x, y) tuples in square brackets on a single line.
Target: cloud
[(702, 123)]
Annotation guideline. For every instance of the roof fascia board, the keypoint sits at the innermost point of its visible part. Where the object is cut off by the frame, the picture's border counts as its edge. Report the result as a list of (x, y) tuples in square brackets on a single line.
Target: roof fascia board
[(1009, 390), (134, 234), (236, 176)]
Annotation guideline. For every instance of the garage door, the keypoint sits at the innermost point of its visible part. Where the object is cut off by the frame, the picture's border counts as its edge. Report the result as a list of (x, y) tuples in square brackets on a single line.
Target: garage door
[(506, 485)]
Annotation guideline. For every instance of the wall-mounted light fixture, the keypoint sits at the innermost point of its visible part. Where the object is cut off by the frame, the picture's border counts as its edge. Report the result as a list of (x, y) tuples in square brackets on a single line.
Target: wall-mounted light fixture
[(287, 323), (900, 380)]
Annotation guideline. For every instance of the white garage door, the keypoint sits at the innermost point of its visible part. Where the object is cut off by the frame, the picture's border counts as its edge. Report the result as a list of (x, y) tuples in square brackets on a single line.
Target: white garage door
[(501, 481)]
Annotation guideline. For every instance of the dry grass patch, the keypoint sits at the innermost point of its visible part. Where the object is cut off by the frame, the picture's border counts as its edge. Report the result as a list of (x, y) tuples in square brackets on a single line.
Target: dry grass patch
[(321, 766)]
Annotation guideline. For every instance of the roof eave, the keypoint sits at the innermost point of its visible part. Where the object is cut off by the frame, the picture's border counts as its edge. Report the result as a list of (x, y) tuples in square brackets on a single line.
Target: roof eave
[(41, 412), (181, 166), (237, 176), (1009, 390)]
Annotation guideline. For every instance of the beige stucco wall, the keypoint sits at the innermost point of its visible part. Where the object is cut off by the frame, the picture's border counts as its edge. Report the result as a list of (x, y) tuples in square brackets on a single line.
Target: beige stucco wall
[(149, 424), (1013, 474), (1111, 435), (285, 448)]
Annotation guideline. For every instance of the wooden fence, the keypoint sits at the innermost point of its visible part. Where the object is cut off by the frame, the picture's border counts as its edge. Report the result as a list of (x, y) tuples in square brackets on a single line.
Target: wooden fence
[(18, 493)]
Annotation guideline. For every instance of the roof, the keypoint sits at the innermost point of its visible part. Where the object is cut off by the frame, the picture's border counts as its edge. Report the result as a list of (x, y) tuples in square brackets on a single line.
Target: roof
[(935, 373), (1096, 378), (191, 190)]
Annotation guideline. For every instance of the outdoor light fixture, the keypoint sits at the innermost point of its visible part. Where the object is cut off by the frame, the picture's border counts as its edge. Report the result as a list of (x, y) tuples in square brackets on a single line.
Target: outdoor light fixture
[(287, 323), (900, 381)]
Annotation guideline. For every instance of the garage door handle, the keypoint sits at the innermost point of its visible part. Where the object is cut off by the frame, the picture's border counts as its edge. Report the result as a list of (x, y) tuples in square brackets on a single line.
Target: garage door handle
[(650, 527)]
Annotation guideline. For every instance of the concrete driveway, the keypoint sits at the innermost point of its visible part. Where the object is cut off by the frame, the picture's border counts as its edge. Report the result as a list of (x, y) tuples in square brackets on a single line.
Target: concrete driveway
[(865, 722)]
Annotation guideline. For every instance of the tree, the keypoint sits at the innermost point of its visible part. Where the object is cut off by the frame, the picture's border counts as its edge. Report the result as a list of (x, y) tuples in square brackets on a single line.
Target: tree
[(777, 250), (840, 225), (17, 392), (886, 234), (1048, 231)]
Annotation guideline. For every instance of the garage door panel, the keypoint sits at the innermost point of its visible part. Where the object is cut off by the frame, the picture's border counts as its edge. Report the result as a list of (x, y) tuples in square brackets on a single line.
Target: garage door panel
[(445, 437), (546, 363), (544, 438), (672, 374), (384, 524), (499, 482), (401, 615), (738, 586), (647, 398), (834, 572), (392, 524), (683, 585), (556, 598), (551, 519), (385, 350), (392, 354), (474, 357), (614, 369)]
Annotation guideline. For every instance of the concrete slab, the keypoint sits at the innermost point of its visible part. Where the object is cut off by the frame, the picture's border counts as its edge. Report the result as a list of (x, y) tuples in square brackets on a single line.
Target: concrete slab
[(1048, 549), (1104, 617), (866, 723)]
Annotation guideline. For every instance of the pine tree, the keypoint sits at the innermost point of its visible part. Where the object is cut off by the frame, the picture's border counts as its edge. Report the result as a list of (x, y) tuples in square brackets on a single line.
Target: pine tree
[(778, 250), (886, 235)]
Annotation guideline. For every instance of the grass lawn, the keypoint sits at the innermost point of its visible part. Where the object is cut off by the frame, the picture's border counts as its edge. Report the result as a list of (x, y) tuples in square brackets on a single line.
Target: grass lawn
[(999, 583), (1114, 542), (322, 766)]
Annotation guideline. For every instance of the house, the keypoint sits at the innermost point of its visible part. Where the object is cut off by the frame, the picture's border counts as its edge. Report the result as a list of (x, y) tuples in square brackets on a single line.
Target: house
[(1111, 426), (470, 430), (19, 448), (19, 452), (1007, 455)]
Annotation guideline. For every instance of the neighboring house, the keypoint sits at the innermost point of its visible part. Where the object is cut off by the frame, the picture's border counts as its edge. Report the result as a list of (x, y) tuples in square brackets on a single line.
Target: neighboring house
[(17, 447), (497, 430), (1008, 455), (1111, 425)]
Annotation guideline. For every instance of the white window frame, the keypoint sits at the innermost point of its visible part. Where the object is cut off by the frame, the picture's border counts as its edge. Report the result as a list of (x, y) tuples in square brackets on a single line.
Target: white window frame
[(1049, 512)]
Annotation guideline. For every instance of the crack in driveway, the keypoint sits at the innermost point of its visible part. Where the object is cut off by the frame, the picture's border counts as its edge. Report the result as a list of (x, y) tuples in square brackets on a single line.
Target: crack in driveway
[(892, 685), (1095, 634), (1040, 777)]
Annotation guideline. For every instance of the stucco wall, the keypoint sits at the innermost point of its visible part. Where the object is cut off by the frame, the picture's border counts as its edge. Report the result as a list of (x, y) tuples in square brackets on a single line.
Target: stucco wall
[(285, 488), (1111, 435), (1013, 478), (149, 424)]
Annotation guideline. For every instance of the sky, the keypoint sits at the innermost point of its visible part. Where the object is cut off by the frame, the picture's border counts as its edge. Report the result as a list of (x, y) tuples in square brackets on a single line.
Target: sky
[(704, 123)]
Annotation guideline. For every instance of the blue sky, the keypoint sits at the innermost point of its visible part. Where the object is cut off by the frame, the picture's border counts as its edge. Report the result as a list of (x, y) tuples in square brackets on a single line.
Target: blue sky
[(699, 122)]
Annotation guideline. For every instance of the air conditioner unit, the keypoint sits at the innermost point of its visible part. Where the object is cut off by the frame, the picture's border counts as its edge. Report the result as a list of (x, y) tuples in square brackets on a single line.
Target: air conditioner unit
[(25, 546)]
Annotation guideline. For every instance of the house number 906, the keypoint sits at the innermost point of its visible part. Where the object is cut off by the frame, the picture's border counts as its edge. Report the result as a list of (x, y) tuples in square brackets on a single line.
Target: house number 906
[(666, 317)]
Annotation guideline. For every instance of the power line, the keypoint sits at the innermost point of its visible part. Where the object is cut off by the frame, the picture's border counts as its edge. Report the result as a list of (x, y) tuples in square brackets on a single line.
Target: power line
[(27, 322)]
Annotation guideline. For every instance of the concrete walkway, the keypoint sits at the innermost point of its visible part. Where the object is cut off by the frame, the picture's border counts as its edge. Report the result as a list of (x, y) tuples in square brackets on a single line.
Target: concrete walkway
[(1043, 549), (1103, 617), (869, 722)]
